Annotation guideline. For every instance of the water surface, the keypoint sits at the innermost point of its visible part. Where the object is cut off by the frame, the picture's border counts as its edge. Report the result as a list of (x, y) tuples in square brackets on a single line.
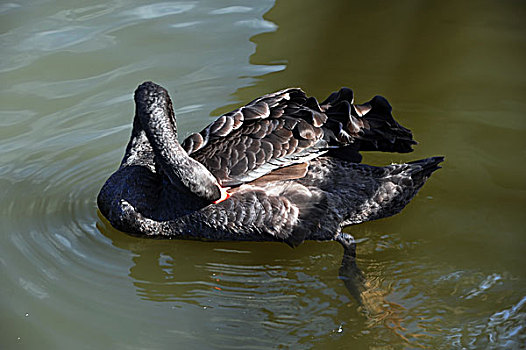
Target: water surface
[(451, 264)]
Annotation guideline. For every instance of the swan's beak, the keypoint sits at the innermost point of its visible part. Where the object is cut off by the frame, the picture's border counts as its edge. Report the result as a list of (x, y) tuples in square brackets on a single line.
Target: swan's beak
[(224, 194)]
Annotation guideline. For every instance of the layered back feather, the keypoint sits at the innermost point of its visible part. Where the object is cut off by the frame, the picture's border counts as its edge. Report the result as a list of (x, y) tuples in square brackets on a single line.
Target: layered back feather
[(287, 127)]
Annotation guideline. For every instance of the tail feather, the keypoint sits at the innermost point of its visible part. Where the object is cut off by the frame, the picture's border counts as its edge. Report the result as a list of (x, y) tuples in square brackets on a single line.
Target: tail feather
[(425, 168), (369, 126), (396, 185)]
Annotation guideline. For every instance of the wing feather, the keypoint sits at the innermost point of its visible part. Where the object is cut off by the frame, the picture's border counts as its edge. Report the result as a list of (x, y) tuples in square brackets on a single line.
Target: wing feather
[(287, 127)]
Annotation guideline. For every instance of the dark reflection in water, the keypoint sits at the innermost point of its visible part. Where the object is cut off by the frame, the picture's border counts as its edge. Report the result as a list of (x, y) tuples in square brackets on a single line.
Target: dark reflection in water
[(260, 293)]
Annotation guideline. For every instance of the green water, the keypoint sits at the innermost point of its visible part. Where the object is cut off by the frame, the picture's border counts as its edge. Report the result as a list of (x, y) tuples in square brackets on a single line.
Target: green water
[(452, 264)]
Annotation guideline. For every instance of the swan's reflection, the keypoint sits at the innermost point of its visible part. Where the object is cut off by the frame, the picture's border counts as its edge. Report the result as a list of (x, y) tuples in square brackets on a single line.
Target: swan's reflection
[(198, 272), (268, 283), (165, 270)]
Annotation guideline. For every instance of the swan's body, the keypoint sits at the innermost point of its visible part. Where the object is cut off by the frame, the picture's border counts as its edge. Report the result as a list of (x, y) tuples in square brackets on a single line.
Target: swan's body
[(292, 165)]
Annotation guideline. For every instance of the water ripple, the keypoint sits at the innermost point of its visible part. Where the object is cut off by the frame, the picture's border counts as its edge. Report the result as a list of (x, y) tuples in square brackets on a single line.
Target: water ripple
[(258, 24), (231, 9), (53, 40), (506, 328), (8, 6), (71, 88), (160, 9)]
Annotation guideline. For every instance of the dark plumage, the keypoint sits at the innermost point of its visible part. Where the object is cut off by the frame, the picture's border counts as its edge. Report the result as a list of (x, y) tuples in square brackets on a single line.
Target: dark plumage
[(287, 127), (293, 166)]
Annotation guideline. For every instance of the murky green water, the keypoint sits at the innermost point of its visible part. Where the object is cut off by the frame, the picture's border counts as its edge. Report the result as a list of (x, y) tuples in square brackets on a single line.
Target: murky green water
[(453, 261)]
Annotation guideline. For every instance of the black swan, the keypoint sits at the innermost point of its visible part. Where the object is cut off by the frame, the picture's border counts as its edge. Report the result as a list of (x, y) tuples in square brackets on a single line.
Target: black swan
[(282, 168)]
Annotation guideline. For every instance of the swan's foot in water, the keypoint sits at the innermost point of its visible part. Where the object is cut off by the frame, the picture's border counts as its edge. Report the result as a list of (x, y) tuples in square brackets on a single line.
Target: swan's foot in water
[(368, 293), (350, 273)]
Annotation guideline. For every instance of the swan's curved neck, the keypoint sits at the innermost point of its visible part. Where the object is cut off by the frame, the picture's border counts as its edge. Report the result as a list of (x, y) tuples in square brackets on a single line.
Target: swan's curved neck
[(156, 116)]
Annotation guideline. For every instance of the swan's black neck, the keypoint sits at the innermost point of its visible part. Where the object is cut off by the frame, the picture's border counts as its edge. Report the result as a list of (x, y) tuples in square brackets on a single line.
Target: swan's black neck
[(155, 114)]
